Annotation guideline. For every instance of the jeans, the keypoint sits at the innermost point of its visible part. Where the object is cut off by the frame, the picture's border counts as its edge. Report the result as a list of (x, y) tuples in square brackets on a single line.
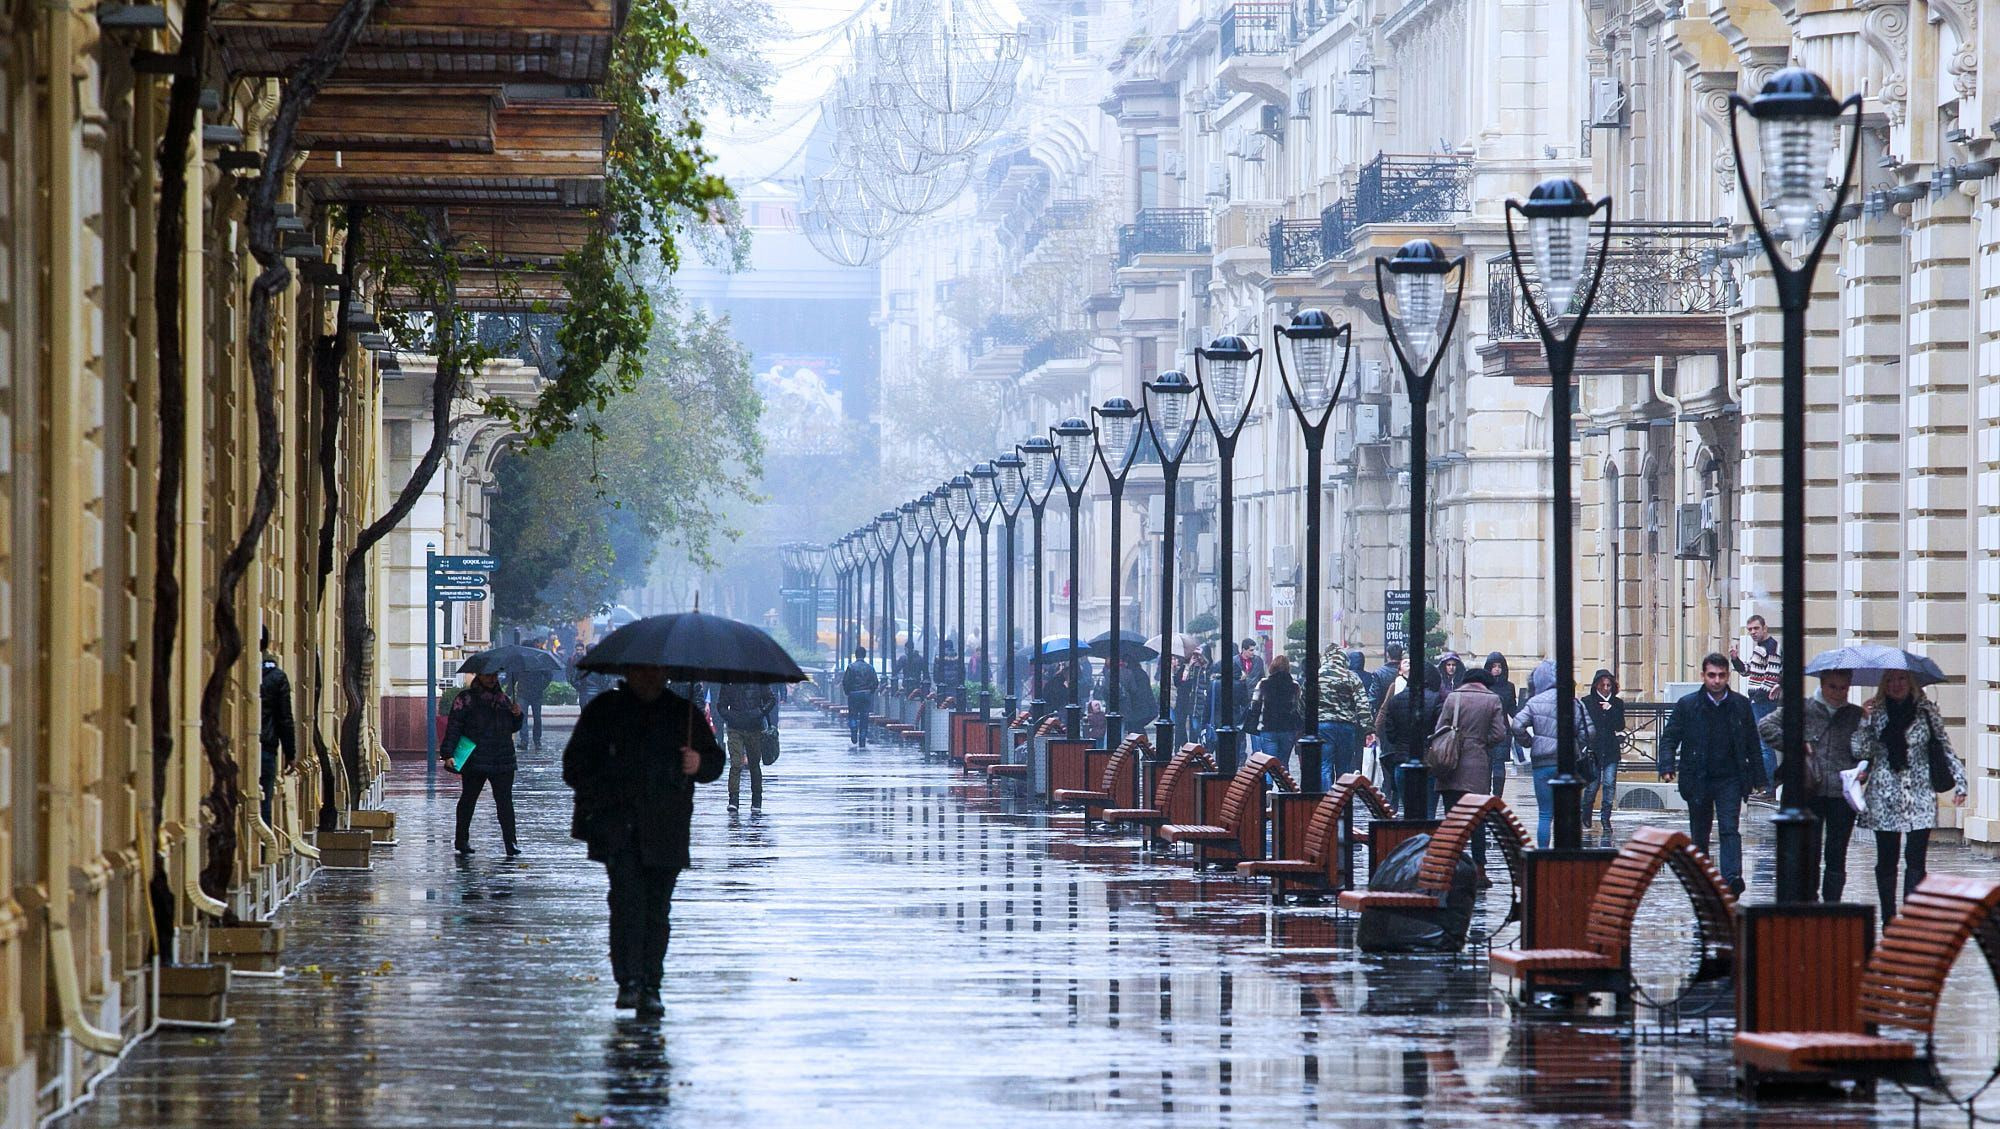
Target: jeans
[(1340, 751), (267, 766), (746, 750), (531, 733), (1607, 780), (1759, 707), (1720, 801), (1545, 803), (1497, 758), (860, 704), (470, 783), (1450, 796), (1276, 743), (642, 903), (1915, 848), (1836, 828)]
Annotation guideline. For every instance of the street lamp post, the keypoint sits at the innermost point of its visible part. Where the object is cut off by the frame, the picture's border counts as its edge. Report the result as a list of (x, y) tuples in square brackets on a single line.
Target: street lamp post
[(1171, 410), (1558, 214), (812, 560), (927, 532), (1418, 341), (1798, 128), (908, 510), (872, 550), (1073, 459), (1313, 388), (1226, 373), (985, 499), (889, 537), (839, 554), (1117, 444), (1039, 475), (960, 501), (1013, 490)]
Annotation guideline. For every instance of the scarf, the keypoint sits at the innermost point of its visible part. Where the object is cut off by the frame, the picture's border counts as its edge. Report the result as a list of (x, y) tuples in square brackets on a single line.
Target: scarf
[(1896, 730)]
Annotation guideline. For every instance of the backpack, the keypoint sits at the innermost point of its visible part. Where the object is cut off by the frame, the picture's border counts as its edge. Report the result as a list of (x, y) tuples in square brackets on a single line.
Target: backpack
[(1441, 750)]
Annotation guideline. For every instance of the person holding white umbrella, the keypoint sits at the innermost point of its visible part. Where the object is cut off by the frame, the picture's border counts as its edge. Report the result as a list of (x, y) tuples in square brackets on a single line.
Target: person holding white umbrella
[(1910, 762)]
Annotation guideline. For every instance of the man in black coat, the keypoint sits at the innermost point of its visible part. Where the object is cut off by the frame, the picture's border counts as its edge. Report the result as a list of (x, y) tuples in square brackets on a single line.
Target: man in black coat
[(1710, 742), (276, 728), (1397, 744), (636, 755)]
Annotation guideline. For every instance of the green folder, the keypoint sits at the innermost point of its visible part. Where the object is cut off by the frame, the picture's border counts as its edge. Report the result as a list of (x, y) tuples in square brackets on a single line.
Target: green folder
[(462, 753)]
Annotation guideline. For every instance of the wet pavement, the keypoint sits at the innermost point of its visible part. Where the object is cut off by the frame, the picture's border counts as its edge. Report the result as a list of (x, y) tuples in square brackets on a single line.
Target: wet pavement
[(889, 944)]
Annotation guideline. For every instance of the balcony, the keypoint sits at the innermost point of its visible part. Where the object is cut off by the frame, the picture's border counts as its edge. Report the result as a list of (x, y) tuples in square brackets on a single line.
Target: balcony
[(995, 348), (1062, 345), (1653, 269), (1164, 231), (1258, 27), (1337, 222), (1296, 246), (1413, 188)]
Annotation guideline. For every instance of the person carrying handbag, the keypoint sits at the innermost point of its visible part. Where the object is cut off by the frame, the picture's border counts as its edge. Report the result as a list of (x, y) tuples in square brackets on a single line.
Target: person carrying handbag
[(746, 710), (1910, 763), (1471, 720)]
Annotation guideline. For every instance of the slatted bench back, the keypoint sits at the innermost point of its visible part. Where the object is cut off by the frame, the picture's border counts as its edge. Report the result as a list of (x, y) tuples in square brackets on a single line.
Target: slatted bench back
[(1449, 841), (1120, 762), (1907, 971), (1191, 758), (1243, 786)]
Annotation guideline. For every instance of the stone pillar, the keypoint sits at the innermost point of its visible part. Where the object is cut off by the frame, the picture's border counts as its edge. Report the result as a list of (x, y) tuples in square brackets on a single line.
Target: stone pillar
[(1981, 750), (1871, 471), (1939, 406)]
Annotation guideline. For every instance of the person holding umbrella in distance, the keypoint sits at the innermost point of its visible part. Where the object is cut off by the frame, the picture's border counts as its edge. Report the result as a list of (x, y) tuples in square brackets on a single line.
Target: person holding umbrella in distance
[(634, 760)]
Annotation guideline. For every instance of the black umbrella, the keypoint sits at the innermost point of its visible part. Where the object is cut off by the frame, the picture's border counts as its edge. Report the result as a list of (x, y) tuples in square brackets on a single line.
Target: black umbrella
[(1131, 645), (695, 648), (511, 659)]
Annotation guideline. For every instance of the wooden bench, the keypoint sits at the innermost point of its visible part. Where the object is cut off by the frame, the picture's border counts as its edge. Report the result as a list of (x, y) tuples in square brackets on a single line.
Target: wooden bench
[(1327, 859), (1174, 793), (1899, 988), (1117, 778), (1448, 843), (1604, 964), (1236, 830)]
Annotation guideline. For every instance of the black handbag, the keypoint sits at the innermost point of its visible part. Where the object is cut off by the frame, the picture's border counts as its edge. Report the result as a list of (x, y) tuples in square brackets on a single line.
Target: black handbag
[(1942, 780), (769, 753)]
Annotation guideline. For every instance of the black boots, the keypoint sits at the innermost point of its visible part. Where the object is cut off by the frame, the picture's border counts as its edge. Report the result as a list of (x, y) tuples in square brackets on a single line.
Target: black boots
[(649, 1004), (628, 997)]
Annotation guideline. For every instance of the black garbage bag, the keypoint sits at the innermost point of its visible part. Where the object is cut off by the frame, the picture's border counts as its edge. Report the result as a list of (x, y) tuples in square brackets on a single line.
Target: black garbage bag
[(1440, 930)]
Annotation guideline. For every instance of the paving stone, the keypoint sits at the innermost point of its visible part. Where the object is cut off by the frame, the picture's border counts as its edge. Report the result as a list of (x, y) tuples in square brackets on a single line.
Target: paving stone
[(891, 944)]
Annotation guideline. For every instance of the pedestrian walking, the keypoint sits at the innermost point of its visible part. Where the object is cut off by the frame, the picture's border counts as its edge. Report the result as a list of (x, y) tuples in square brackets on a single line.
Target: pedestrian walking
[(1607, 730), (948, 673), (748, 711), (1710, 744), (1381, 684), (859, 682), (1191, 697), (483, 714), (1345, 717), (1757, 658), (1451, 671), (634, 760), (1138, 704), (1249, 664), (1910, 762), (1398, 742), (1274, 711), (1534, 725), (1543, 677), (531, 687), (1831, 724), (910, 667), (1470, 722), (276, 729), (1057, 691), (1501, 751)]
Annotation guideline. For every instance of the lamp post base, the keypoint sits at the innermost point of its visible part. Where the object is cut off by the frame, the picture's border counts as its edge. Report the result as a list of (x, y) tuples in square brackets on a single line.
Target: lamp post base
[(1073, 721), (1566, 797), (1311, 772), (1413, 790), (1227, 748), (1012, 706), (1799, 833), (1037, 710), (985, 704), (1114, 730)]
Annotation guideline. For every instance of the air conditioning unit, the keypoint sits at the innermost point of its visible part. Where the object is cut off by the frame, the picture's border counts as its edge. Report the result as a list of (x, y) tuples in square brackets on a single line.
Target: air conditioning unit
[(1253, 148), (1302, 101), (1374, 377), (1367, 423), (1356, 98), (1607, 103), (1239, 563), (1284, 564), (1233, 145), (1204, 553), (1156, 511), (1694, 531), (1174, 164), (1271, 121), (1218, 181), (1206, 497)]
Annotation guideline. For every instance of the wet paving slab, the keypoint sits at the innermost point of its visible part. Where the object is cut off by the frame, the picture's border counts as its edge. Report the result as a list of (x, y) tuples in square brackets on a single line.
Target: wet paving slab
[(891, 944)]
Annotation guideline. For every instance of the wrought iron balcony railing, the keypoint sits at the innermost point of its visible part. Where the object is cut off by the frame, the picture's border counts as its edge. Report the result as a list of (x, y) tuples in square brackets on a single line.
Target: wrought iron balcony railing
[(1296, 246), (1062, 345), (999, 330), (1413, 188), (1258, 27), (1337, 222), (1164, 231), (1654, 268)]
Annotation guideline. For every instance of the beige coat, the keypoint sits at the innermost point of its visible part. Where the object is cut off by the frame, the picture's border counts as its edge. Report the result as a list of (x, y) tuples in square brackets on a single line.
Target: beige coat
[(1482, 723)]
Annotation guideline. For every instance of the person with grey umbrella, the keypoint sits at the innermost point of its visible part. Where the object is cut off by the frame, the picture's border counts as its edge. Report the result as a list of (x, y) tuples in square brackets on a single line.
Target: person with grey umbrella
[(483, 714), (1910, 761)]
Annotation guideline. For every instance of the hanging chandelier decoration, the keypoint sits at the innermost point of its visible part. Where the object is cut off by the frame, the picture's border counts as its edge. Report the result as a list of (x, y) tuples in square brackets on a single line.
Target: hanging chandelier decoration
[(899, 133)]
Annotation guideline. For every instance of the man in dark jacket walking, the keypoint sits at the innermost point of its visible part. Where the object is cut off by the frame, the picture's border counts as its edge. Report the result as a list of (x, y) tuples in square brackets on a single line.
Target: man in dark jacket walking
[(1399, 744), (858, 682), (1385, 676), (636, 755), (1710, 743), (276, 729), (749, 711), (530, 688)]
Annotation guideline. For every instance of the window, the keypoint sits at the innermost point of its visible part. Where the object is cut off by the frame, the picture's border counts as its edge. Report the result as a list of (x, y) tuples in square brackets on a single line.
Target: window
[(1148, 171), (1149, 358)]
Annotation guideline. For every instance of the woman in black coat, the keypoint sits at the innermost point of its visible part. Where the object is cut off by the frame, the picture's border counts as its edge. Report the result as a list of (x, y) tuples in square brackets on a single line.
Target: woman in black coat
[(483, 714)]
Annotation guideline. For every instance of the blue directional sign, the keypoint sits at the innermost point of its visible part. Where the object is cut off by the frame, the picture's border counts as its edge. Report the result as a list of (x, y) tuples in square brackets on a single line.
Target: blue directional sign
[(459, 579), (459, 595), (476, 562)]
